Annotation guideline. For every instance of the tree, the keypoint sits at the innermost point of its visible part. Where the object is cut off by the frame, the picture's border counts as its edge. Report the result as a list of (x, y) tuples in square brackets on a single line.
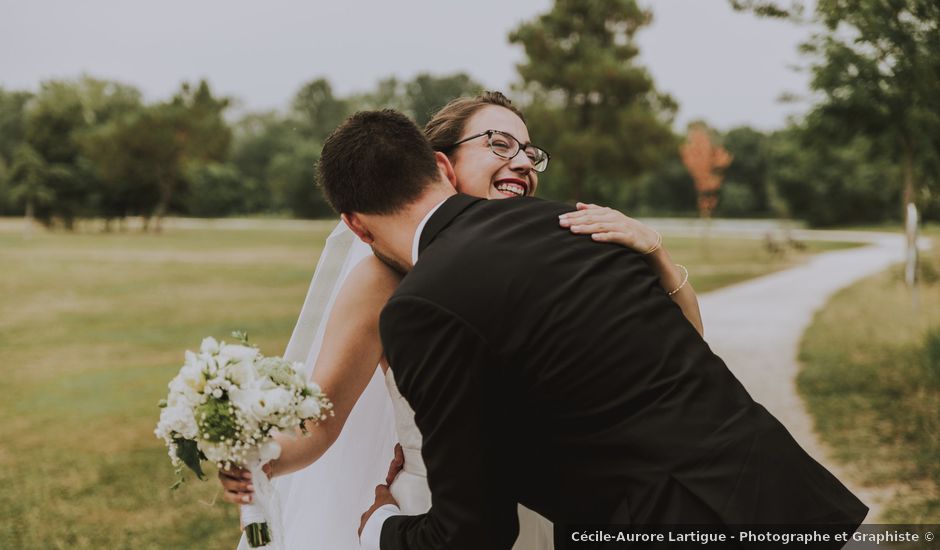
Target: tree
[(389, 93), (12, 122), (215, 189), (29, 182), (57, 120), (293, 180), (591, 106), (745, 190), (136, 158), (259, 138), (666, 190), (12, 127), (706, 161), (876, 68), (420, 98), (426, 94), (144, 157), (831, 184), (317, 111)]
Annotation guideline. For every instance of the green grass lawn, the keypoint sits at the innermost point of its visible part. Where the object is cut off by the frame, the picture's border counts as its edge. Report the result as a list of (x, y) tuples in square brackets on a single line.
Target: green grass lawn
[(93, 326), (871, 379)]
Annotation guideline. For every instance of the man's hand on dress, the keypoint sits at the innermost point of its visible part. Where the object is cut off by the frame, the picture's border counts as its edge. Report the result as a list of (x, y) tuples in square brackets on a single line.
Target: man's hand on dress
[(383, 496), (398, 462)]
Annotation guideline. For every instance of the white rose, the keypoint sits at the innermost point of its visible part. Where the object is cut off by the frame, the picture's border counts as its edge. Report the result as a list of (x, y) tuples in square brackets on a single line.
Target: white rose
[(309, 408), (186, 397), (247, 399), (192, 376), (180, 391), (207, 364), (265, 383), (209, 345), (239, 353), (240, 373), (271, 402)]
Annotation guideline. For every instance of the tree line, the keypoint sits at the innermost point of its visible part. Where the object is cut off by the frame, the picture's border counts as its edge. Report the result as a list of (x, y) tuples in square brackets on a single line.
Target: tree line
[(92, 148)]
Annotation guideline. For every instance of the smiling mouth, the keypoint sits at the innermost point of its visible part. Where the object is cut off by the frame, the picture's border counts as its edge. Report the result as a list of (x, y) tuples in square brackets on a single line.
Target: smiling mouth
[(513, 188)]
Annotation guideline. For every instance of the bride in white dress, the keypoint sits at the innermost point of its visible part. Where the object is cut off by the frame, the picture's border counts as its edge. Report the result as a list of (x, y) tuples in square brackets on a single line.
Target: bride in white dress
[(326, 480)]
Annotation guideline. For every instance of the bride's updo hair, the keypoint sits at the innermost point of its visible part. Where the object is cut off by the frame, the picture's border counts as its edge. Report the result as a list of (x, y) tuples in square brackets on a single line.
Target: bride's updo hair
[(448, 124)]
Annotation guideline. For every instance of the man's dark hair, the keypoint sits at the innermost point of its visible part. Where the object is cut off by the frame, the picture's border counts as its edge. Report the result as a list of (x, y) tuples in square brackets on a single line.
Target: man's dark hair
[(375, 162)]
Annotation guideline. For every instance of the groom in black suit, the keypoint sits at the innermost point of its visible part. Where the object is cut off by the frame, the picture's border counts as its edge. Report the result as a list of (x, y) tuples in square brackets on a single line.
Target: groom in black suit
[(550, 370)]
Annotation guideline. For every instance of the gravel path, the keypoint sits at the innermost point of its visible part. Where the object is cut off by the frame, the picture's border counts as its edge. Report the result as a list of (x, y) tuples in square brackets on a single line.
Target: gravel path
[(756, 327)]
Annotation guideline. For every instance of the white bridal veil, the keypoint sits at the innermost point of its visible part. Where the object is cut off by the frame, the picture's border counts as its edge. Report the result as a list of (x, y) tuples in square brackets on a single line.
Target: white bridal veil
[(321, 504)]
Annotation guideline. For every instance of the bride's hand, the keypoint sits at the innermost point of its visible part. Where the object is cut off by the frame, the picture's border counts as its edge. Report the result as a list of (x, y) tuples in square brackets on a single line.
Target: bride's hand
[(237, 485), (608, 225)]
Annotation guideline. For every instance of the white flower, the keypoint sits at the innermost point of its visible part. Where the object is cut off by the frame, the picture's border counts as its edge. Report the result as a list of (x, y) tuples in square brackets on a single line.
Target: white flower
[(209, 345), (269, 450), (239, 353), (241, 374), (264, 395), (249, 401), (309, 408), (182, 393), (215, 452), (276, 400), (177, 420), (192, 376), (265, 383)]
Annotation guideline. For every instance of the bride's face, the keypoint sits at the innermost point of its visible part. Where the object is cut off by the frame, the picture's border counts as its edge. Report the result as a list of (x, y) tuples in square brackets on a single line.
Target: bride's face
[(483, 174)]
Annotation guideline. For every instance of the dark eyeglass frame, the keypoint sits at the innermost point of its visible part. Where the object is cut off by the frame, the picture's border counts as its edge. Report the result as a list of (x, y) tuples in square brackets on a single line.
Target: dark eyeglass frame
[(521, 147)]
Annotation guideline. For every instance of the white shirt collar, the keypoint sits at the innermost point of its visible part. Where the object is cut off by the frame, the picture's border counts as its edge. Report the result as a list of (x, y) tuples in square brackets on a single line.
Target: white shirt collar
[(417, 238)]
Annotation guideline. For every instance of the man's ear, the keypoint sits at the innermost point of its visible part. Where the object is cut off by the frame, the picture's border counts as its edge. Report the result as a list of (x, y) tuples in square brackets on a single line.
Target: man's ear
[(446, 168), (354, 223)]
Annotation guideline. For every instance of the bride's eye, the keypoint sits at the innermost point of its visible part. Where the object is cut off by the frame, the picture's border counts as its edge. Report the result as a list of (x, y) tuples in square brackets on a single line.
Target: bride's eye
[(500, 145)]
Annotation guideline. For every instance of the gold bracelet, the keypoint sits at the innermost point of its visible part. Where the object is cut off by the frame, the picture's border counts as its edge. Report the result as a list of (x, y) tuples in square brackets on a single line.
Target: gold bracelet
[(685, 280), (657, 246)]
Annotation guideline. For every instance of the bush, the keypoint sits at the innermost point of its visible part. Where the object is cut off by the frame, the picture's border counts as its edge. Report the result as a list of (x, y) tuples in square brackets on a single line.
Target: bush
[(217, 190)]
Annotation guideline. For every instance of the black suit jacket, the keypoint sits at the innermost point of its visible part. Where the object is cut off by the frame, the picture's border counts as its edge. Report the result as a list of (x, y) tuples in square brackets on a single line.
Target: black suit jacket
[(550, 370)]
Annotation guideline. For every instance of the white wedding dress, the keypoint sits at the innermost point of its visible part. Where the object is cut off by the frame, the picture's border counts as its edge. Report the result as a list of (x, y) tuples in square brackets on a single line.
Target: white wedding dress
[(321, 505)]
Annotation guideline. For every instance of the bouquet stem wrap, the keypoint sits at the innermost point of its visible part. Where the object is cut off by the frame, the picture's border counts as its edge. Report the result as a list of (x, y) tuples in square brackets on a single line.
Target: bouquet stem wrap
[(262, 518)]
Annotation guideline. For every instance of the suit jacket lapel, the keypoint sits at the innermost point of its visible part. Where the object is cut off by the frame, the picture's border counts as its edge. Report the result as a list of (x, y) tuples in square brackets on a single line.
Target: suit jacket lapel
[(451, 208)]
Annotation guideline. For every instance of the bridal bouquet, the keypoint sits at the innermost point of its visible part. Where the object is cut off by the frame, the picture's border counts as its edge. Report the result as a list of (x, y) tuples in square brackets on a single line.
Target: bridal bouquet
[(224, 406)]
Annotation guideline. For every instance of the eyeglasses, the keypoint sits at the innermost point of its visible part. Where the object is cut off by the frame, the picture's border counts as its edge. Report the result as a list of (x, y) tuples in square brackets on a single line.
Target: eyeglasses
[(506, 146)]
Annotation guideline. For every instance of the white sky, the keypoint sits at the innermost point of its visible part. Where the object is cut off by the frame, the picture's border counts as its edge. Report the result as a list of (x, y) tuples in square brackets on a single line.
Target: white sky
[(724, 67)]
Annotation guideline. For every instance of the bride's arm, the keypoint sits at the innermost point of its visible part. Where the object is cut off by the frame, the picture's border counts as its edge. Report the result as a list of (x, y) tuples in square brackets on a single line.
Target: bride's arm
[(350, 353), (609, 225)]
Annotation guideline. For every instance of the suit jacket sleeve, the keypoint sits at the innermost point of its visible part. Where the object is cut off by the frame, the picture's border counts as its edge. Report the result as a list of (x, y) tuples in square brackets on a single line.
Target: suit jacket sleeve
[(450, 377)]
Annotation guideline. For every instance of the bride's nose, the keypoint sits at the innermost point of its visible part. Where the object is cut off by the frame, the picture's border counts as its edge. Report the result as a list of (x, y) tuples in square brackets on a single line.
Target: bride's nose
[(521, 163)]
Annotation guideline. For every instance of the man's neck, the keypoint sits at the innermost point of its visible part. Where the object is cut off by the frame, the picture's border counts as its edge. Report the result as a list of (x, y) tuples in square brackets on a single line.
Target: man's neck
[(399, 229)]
